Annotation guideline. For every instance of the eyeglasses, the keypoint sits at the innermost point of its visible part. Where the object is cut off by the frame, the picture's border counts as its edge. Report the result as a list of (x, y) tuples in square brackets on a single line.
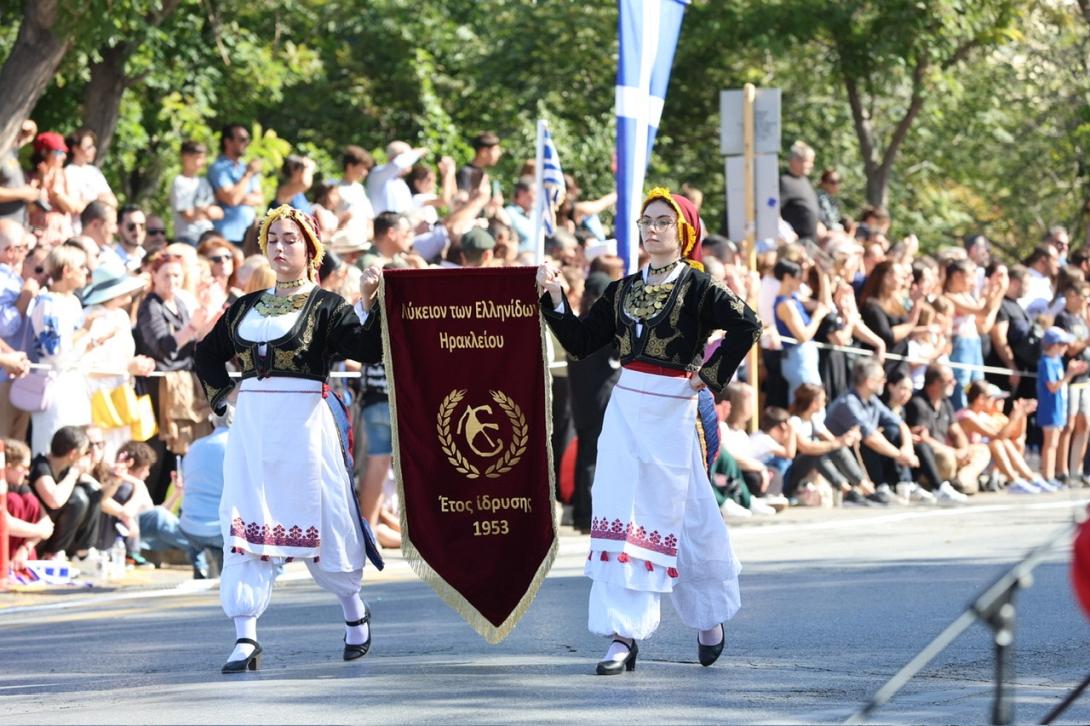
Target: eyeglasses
[(58, 152), (219, 259), (244, 139), (132, 226), (155, 231), (657, 225)]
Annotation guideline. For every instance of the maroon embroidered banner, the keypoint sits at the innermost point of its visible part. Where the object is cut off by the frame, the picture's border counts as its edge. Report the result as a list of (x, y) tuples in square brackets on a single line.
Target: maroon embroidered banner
[(469, 403)]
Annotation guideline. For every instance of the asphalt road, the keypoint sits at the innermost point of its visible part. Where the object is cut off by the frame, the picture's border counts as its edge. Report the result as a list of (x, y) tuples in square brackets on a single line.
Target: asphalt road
[(833, 604)]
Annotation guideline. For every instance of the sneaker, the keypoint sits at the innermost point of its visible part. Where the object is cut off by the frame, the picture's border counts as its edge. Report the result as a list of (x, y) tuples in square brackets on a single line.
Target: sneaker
[(947, 493), (731, 508), (137, 560), (777, 501), (1046, 485), (853, 497), (1021, 486), (881, 496), (886, 492), (1057, 483), (760, 507), (920, 495), (1086, 480)]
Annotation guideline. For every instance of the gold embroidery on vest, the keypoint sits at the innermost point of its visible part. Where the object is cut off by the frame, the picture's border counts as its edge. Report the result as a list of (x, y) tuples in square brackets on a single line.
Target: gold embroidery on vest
[(656, 346)]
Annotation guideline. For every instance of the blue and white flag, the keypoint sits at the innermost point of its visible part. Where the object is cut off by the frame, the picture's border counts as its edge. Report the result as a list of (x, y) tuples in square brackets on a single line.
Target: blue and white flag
[(551, 193), (648, 31)]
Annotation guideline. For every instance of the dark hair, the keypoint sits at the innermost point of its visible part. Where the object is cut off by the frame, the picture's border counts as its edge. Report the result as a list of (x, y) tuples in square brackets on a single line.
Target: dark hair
[(829, 173), (872, 286), (193, 147), (971, 240), (321, 195), (932, 374), (353, 155), (139, 453), (76, 138), (992, 267), (95, 211), (417, 174), (805, 395), (953, 267), (786, 268), (1017, 272), (68, 439), (485, 140), (523, 185), (293, 163), (228, 133), (1039, 253), (1078, 257), (896, 376), (772, 417), (878, 213), (127, 210), (384, 222)]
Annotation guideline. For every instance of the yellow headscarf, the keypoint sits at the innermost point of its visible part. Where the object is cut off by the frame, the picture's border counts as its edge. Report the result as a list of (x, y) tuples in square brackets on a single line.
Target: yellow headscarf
[(315, 248), (689, 231)]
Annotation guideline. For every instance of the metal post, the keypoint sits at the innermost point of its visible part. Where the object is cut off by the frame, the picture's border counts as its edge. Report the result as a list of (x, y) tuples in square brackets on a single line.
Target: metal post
[(1002, 624), (749, 95)]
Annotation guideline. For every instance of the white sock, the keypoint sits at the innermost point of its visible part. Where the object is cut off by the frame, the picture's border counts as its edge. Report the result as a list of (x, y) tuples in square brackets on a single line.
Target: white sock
[(354, 609), (617, 650), (714, 636), (245, 627)]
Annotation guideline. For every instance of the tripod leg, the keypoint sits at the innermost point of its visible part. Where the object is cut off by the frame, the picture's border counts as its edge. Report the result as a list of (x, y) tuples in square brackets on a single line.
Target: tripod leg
[(1071, 697)]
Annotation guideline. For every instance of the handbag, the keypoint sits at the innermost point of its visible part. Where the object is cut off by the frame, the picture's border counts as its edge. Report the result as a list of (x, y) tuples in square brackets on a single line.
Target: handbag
[(126, 403), (145, 426), (32, 392), (104, 414)]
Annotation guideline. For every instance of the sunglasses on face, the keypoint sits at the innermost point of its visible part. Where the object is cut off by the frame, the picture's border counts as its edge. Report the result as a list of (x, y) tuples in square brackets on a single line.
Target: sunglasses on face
[(219, 258), (156, 231), (133, 226)]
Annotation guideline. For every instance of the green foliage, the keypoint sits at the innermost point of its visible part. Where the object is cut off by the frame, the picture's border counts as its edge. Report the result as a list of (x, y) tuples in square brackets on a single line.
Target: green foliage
[(998, 145)]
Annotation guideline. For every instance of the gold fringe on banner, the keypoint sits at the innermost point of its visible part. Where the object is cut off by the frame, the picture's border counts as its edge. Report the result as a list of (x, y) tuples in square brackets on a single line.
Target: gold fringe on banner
[(447, 593)]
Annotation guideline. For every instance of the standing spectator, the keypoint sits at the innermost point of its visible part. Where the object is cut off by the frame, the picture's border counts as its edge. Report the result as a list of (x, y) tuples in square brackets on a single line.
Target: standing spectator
[(52, 216), (72, 502), (15, 193), (1058, 238), (86, 183), (60, 337), (1052, 380), (157, 234), (132, 228), (15, 297), (800, 359), (386, 186), (798, 201), (1042, 266), (1072, 449), (882, 304), (972, 317), (393, 239), (486, 154), (327, 198), (296, 178), (356, 164), (886, 461), (202, 471), (99, 223), (224, 260), (1012, 344), (237, 185), (192, 201), (520, 211), (828, 201)]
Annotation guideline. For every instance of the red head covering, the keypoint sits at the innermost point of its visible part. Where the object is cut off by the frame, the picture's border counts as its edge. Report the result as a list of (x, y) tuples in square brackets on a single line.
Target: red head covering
[(690, 232), (50, 141)]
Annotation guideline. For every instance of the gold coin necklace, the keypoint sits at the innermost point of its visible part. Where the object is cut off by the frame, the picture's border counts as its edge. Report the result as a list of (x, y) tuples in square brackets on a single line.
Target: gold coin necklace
[(270, 306)]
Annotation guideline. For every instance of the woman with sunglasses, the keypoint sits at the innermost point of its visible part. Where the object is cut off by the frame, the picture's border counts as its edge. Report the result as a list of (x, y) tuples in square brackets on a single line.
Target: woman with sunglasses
[(225, 260), (288, 492), (655, 526)]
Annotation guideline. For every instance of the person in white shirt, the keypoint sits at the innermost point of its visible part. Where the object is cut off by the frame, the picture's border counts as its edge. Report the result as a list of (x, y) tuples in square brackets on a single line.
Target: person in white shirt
[(356, 164), (1043, 265), (518, 213), (85, 180), (192, 201), (386, 186)]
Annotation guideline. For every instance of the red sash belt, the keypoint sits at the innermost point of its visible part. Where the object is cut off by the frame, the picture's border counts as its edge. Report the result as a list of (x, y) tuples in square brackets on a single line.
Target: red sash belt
[(657, 370)]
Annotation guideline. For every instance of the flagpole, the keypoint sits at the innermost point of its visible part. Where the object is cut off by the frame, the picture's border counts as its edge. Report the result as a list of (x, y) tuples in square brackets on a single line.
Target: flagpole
[(536, 220)]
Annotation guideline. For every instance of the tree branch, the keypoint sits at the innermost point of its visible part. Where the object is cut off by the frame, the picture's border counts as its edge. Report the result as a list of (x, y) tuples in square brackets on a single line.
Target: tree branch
[(863, 129), (914, 106)]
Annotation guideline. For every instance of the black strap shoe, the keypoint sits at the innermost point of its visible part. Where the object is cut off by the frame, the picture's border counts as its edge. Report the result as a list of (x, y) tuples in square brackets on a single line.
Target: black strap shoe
[(251, 662), (616, 667), (708, 654), (352, 652)]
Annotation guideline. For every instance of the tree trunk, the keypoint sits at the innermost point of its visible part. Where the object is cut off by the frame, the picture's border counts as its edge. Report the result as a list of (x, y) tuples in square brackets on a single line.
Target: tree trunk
[(34, 58), (102, 99)]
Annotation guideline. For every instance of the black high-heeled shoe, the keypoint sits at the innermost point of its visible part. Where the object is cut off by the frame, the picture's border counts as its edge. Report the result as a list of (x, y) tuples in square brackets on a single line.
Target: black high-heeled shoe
[(616, 667), (352, 652), (708, 654), (251, 662)]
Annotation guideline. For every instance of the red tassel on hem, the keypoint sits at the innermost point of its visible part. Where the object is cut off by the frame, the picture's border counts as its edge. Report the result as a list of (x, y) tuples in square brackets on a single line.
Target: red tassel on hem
[(672, 572), (623, 557), (605, 556), (649, 566)]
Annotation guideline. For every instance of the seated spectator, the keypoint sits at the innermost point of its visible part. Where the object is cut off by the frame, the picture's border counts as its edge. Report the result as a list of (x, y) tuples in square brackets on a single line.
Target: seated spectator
[(71, 501), (773, 443), (820, 451), (202, 472), (898, 395), (930, 416), (28, 524), (984, 422), (887, 451), (734, 438)]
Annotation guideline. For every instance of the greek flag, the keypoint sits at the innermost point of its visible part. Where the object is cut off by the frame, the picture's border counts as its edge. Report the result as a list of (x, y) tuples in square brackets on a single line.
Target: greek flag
[(552, 183), (648, 31)]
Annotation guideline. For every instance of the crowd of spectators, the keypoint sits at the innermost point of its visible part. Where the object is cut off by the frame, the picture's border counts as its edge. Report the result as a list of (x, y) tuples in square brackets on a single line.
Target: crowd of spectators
[(871, 387)]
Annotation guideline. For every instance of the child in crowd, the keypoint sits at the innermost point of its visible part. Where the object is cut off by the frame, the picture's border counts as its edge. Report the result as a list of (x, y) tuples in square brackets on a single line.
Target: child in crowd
[(27, 523), (773, 444), (1052, 380), (192, 200)]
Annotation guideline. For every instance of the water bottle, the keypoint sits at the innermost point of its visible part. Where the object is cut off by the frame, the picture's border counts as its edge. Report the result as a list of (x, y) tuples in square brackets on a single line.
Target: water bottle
[(117, 559), (95, 560)]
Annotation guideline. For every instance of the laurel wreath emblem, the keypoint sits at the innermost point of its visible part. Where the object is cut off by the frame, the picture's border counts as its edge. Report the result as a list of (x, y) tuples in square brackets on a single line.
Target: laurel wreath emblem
[(519, 436), (446, 441), (510, 458)]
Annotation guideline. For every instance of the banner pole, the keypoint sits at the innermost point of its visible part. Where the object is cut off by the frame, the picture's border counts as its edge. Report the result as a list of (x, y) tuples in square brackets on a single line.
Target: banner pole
[(536, 219), (749, 94)]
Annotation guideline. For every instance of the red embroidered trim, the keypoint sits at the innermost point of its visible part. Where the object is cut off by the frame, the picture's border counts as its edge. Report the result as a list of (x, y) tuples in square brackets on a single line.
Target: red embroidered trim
[(672, 572), (602, 528), (623, 557), (650, 567), (262, 534), (605, 556)]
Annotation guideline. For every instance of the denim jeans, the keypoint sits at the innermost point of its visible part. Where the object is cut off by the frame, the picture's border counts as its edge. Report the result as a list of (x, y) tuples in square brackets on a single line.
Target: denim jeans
[(800, 365), (210, 561), (160, 530), (965, 350)]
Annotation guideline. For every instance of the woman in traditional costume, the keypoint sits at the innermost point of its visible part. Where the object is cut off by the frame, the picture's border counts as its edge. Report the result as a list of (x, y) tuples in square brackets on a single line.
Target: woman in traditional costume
[(287, 491), (656, 527)]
